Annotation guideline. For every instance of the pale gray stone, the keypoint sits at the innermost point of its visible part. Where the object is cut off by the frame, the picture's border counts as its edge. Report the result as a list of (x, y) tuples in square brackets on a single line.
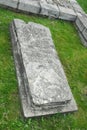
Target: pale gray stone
[(49, 9), (77, 8), (31, 6), (63, 3), (43, 85), (67, 14), (9, 3)]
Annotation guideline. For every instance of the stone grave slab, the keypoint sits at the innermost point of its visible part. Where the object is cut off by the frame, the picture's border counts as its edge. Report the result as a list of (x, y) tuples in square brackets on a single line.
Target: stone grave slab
[(43, 86)]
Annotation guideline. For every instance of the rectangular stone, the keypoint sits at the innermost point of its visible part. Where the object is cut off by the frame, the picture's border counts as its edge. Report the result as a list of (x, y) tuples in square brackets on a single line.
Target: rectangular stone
[(42, 82), (9, 3), (31, 6), (49, 10), (67, 14)]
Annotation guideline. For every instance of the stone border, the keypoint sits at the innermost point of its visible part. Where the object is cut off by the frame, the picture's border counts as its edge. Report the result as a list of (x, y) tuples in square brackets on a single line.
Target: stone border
[(71, 11)]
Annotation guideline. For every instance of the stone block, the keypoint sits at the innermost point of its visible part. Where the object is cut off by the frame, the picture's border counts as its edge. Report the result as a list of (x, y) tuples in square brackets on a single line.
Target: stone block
[(83, 40), (9, 3), (67, 14), (31, 6), (43, 86), (49, 10)]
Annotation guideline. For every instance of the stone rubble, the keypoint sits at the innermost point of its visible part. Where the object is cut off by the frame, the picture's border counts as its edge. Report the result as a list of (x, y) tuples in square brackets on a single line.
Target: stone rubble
[(42, 82), (63, 9)]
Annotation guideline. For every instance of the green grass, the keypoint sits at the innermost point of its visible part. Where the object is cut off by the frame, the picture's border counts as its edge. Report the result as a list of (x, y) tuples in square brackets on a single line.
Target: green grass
[(73, 56), (83, 3)]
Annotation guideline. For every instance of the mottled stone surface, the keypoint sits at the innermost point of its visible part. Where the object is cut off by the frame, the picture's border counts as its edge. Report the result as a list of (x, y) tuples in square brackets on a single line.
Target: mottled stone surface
[(67, 14), (10, 3), (49, 9), (47, 82), (31, 6), (81, 24), (42, 83)]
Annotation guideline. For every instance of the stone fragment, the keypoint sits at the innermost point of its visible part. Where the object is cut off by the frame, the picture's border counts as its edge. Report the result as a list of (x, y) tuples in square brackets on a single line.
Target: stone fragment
[(31, 6), (67, 14), (9, 3), (43, 85)]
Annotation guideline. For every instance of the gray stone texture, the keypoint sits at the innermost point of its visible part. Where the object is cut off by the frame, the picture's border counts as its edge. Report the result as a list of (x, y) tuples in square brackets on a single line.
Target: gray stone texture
[(43, 85), (31, 6), (67, 14), (49, 9), (9, 3), (63, 3), (84, 41), (81, 24)]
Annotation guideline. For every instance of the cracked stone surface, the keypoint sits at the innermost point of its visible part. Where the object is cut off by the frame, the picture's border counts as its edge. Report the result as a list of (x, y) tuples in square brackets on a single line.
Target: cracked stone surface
[(47, 82), (39, 68)]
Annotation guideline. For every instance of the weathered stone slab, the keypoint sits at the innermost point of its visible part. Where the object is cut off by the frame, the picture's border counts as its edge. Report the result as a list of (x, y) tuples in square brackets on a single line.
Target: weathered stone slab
[(31, 6), (67, 14), (43, 85), (9, 3), (49, 9)]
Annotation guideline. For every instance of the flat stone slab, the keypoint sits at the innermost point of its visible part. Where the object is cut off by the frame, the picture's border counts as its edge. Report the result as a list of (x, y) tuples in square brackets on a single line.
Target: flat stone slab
[(42, 82)]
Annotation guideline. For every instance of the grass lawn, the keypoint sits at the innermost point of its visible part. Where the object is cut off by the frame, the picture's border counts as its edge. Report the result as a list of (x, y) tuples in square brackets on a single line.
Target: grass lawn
[(73, 56)]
